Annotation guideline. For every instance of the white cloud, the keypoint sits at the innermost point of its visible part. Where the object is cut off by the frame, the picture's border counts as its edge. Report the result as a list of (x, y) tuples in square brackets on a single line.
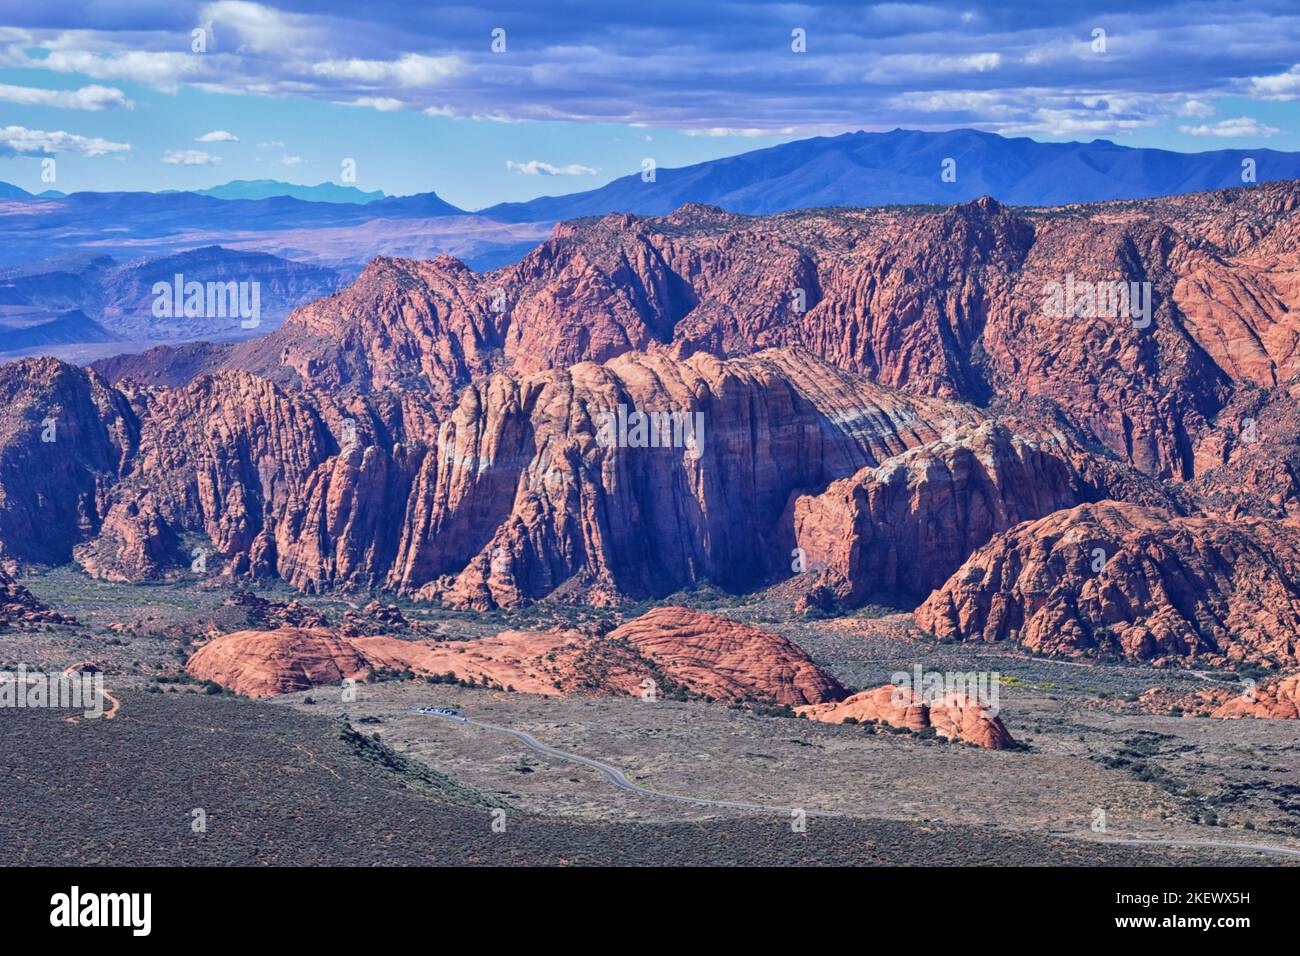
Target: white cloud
[(894, 67), (1196, 109), (87, 98), (290, 161), (385, 104), (535, 167), (411, 70), (190, 157), (217, 136), (1242, 126), (272, 144), (19, 139), (157, 68), (259, 28), (748, 132), (1282, 86)]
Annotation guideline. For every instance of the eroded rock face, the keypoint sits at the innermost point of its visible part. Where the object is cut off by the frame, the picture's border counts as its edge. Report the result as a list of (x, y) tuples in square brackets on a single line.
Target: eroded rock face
[(266, 663), (725, 660), (1276, 700), (953, 716), (899, 529), (949, 303), (671, 648), (65, 438), (1248, 462), (1124, 580), (515, 493)]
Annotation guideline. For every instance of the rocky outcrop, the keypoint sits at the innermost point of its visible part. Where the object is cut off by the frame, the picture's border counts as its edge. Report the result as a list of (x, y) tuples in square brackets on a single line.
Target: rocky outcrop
[(21, 611), (1276, 700), (264, 614), (724, 660), (1248, 462), (667, 651), (266, 663), (521, 489), (65, 438), (900, 528), (437, 432), (375, 618), (953, 716), (1118, 579)]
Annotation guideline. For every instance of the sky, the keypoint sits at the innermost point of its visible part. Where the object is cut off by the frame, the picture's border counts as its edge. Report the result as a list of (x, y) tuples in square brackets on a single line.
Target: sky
[(506, 101)]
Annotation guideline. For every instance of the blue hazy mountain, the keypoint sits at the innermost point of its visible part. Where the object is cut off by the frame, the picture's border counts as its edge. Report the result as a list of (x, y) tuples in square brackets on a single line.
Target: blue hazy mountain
[(266, 188), (904, 167)]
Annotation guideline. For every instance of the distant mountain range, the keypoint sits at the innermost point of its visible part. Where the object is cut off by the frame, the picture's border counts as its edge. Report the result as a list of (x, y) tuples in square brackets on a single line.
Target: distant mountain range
[(901, 167), (904, 167), (266, 188), (10, 191)]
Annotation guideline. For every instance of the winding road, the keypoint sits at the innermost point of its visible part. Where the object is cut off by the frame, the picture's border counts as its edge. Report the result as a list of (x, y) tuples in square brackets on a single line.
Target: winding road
[(620, 780)]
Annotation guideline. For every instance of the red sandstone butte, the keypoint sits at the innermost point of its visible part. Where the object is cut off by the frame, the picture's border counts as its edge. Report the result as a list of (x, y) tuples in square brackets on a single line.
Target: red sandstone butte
[(953, 716)]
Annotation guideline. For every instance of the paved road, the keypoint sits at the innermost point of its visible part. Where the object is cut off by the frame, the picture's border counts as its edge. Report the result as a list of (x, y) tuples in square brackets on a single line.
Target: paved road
[(619, 779)]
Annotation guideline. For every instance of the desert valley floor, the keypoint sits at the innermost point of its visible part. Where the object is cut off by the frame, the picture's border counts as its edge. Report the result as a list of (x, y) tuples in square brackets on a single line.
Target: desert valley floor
[(308, 778)]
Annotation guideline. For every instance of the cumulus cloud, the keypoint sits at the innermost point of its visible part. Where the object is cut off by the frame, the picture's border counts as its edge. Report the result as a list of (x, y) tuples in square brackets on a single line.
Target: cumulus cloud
[(217, 136), (1281, 86), (258, 27), (290, 161), (153, 67), (535, 167), (92, 97), (19, 139), (410, 70), (385, 104), (1196, 109), (1242, 126), (190, 157)]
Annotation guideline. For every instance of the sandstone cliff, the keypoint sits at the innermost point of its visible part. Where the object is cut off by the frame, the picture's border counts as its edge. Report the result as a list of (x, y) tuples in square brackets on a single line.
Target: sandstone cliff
[(1123, 580)]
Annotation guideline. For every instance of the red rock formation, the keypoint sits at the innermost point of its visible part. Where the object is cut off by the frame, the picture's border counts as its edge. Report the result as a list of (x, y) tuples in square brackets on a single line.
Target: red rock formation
[(902, 527), (418, 432), (724, 660), (266, 663), (1120, 579), (947, 302), (953, 716), (707, 655), (512, 495), (65, 437), (269, 615), (1277, 700)]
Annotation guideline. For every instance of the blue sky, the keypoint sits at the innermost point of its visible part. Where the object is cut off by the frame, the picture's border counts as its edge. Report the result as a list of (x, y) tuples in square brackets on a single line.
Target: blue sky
[(582, 93)]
